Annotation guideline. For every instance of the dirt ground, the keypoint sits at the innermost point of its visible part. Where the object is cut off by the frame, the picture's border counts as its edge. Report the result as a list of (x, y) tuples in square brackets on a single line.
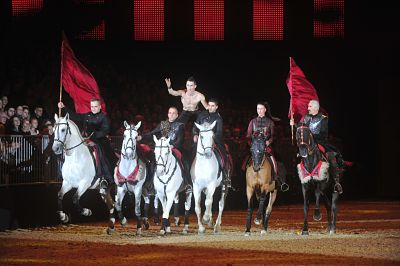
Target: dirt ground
[(368, 233)]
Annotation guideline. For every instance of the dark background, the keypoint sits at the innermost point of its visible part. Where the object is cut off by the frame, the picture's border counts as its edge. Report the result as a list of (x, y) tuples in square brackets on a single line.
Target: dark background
[(355, 76)]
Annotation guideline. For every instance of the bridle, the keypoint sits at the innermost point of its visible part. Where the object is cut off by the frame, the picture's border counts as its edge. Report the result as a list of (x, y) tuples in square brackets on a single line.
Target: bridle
[(160, 158), (63, 142), (126, 146), (202, 145), (310, 144)]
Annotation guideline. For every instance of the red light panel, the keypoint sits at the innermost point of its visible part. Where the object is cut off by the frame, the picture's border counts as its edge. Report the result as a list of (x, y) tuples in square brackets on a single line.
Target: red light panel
[(209, 20), (26, 7), (148, 20), (329, 18), (267, 20), (97, 33)]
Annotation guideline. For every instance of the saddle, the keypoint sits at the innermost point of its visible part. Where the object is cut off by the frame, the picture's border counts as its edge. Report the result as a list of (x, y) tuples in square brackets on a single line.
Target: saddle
[(178, 155)]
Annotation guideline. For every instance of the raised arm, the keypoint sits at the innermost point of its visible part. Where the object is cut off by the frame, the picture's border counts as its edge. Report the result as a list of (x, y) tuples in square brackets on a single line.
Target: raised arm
[(172, 91), (203, 101)]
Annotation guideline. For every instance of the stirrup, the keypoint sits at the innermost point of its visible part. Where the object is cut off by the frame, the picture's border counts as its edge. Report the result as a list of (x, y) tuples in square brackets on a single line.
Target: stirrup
[(284, 187), (103, 184), (338, 188), (188, 188)]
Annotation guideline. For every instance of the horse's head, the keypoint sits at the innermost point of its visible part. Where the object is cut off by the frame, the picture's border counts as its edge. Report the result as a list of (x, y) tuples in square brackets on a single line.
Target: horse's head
[(62, 133), (305, 141), (128, 149), (205, 142), (257, 150), (163, 153)]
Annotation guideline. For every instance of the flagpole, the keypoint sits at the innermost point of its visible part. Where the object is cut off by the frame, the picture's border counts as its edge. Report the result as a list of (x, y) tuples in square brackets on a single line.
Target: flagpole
[(61, 74), (291, 106)]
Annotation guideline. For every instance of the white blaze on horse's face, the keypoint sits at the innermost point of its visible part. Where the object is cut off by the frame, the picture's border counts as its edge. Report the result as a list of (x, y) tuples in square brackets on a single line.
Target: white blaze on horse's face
[(129, 142), (162, 152), (61, 133), (205, 142)]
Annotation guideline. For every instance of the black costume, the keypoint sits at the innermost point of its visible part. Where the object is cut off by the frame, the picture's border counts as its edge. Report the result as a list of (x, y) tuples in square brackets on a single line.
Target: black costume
[(206, 116), (318, 125), (97, 126)]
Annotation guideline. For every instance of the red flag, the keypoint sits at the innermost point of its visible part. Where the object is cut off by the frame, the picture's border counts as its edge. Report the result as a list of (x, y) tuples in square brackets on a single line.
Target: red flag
[(301, 92), (78, 82)]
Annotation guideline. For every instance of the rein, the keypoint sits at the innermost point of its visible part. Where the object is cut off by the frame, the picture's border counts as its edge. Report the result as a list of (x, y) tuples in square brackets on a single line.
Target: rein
[(165, 167), (202, 145)]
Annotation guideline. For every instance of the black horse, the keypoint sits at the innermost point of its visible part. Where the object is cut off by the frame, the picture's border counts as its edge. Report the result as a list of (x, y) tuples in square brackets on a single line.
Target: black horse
[(315, 176)]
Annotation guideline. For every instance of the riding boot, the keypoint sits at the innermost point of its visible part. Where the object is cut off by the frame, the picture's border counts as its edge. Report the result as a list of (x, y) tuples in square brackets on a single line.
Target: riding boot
[(336, 171), (186, 176)]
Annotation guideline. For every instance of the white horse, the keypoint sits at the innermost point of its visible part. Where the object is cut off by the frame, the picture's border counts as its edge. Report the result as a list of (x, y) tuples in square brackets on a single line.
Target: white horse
[(78, 170), (168, 182), (130, 175), (206, 177)]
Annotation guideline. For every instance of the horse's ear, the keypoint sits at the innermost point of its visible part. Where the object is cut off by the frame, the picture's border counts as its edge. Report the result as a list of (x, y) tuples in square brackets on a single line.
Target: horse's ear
[(213, 124), (138, 125), (126, 124), (155, 138), (197, 125), (55, 117)]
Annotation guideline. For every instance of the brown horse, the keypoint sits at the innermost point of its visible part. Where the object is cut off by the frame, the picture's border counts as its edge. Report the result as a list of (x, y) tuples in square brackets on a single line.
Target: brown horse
[(259, 180)]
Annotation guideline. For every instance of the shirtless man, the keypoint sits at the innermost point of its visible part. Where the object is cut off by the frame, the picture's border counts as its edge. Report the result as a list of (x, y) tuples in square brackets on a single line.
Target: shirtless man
[(190, 99)]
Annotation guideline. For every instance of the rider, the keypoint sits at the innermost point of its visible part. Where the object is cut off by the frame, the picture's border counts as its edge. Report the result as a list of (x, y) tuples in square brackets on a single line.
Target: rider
[(210, 116), (173, 129), (318, 124), (96, 126), (190, 99), (264, 124)]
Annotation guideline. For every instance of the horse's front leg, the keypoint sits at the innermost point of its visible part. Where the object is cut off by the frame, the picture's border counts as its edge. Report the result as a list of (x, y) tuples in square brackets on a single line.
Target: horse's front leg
[(138, 211), (188, 204), (249, 193), (305, 189), (119, 197), (335, 198), (110, 205), (221, 205), (317, 212), (76, 198), (176, 210), (156, 212), (261, 206), (146, 209), (207, 217), (272, 198), (197, 208), (64, 189), (167, 204)]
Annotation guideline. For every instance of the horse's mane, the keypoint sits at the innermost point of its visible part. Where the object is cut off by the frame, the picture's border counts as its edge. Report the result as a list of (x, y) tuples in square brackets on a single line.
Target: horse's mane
[(72, 123)]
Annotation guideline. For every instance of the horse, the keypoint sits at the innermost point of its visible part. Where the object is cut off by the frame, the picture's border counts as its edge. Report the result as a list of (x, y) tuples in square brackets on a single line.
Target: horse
[(168, 183), (314, 174), (130, 176), (259, 180), (79, 169), (207, 176)]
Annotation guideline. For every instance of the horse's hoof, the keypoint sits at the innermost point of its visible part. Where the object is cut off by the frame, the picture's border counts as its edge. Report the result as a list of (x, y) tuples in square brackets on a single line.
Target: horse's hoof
[(185, 230), (146, 225), (247, 234), (317, 215), (139, 232), (202, 230), (168, 229), (162, 232), (110, 231), (124, 222), (177, 222), (332, 231), (156, 221), (257, 221), (217, 229), (304, 233), (263, 232), (206, 219), (86, 212)]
